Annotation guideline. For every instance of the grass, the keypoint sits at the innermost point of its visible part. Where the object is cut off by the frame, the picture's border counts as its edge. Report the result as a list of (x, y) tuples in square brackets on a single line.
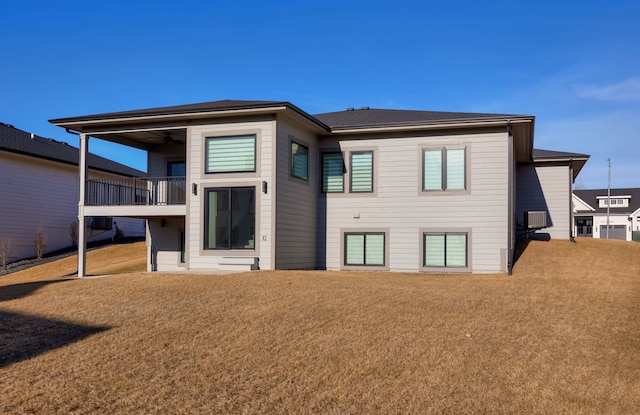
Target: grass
[(559, 336)]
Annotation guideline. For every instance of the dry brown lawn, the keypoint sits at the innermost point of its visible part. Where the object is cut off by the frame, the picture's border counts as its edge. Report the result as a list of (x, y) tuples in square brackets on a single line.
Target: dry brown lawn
[(560, 336)]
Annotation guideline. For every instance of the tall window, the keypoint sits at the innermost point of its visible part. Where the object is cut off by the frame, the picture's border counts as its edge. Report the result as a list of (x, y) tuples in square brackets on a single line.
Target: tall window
[(299, 161), (361, 179), (445, 249), (332, 173), (444, 169), (366, 248), (230, 154), (230, 218)]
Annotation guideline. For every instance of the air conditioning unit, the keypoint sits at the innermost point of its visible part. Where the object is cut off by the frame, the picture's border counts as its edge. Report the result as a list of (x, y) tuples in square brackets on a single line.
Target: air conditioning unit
[(535, 219)]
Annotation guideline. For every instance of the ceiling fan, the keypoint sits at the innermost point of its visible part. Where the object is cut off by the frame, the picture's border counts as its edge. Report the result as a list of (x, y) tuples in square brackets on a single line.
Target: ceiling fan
[(168, 139)]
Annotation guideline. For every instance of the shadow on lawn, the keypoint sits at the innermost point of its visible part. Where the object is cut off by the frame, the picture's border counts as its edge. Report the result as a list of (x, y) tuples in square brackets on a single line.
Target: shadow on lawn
[(15, 291), (23, 336)]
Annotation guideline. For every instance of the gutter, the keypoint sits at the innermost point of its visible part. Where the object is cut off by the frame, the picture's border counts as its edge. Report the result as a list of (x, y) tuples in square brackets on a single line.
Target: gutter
[(439, 125)]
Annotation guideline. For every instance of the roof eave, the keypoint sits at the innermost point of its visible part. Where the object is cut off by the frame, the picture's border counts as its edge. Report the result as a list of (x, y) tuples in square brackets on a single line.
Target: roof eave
[(89, 122), (440, 124)]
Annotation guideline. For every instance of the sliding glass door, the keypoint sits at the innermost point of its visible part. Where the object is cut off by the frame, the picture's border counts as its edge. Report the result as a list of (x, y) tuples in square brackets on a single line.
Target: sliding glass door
[(230, 218)]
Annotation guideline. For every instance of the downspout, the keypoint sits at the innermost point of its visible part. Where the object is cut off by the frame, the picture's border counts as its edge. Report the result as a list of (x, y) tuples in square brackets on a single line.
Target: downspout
[(571, 218)]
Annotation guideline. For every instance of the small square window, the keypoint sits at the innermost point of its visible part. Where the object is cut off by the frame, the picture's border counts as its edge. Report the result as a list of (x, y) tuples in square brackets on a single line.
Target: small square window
[(361, 179), (332, 173), (445, 249), (364, 249), (232, 154), (299, 161), (444, 169)]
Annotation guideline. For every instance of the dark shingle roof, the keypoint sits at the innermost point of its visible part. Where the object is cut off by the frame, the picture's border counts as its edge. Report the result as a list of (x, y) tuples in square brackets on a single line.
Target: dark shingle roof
[(21, 142), (373, 117), (589, 196), (226, 104), (359, 118)]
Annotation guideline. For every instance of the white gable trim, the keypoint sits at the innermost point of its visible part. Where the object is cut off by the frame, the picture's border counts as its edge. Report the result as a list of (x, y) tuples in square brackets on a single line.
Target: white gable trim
[(582, 202)]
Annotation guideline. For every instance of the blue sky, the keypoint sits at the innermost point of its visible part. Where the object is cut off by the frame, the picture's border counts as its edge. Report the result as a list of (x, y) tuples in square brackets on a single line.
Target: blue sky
[(575, 65)]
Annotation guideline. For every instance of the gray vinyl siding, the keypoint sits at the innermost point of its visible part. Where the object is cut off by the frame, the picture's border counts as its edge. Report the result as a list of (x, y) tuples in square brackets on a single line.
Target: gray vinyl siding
[(296, 207), (166, 244), (545, 188), (399, 204), (36, 191), (198, 258), (158, 158)]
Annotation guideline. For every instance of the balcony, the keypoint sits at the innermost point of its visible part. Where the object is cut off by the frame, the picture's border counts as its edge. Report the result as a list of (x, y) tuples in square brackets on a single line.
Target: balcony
[(136, 196)]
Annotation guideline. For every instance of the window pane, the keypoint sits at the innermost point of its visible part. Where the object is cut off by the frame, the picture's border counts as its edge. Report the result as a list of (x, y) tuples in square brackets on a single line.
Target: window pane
[(299, 161), (455, 169), (242, 218), (362, 172), (434, 250), (217, 231), (374, 249), (354, 245), (332, 173), (176, 168), (230, 218), (456, 250), (432, 173), (231, 154)]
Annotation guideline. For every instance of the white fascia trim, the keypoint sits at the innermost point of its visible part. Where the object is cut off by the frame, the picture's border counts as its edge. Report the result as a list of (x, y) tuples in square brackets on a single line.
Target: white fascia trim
[(614, 197), (434, 126), (583, 202), (187, 115), (637, 212)]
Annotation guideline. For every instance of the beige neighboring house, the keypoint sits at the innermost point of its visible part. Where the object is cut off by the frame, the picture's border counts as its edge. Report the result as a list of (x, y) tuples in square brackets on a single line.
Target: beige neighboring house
[(39, 187), (590, 213), (243, 185)]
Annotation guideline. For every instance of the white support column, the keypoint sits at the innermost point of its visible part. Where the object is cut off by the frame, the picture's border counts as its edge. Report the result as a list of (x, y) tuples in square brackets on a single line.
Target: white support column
[(82, 226)]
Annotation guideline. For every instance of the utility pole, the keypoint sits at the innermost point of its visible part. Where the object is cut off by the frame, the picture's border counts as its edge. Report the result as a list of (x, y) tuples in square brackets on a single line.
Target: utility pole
[(608, 195)]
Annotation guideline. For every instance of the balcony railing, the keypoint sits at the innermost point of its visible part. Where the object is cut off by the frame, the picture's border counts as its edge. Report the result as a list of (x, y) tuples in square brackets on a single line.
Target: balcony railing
[(136, 191)]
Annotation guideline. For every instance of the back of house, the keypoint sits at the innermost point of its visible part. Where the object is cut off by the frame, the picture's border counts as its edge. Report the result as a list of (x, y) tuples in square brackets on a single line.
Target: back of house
[(247, 185)]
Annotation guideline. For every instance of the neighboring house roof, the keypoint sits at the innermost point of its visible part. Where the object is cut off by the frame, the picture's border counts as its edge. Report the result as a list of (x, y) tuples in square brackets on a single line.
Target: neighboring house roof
[(374, 117), (591, 198), (17, 141), (577, 160)]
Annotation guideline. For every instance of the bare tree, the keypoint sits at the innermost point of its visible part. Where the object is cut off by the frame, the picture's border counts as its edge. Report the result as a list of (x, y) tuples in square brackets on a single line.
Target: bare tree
[(40, 241), (5, 251), (73, 233)]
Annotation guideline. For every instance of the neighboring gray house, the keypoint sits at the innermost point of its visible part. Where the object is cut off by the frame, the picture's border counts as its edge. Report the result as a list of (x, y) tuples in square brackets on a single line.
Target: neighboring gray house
[(590, 213), (264, 185), (39, 187)]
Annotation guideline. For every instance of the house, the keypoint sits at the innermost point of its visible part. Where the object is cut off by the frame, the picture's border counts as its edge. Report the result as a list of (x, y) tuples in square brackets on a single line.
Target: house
[(247, 185), (590, 213), (39, 189)]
